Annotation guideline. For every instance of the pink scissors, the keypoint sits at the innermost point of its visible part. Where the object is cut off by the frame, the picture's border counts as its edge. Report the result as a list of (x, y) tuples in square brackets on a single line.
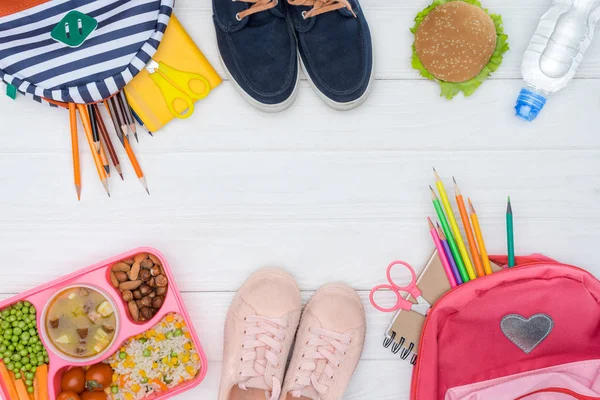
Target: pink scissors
[(422, 306)]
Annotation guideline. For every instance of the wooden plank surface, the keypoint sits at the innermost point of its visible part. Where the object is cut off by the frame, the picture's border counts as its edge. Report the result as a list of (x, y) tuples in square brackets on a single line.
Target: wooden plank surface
[(329, 196)]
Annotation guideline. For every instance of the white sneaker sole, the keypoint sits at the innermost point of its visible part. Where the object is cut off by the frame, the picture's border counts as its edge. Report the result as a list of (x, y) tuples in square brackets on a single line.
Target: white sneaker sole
[(335, 104), (268, 108)]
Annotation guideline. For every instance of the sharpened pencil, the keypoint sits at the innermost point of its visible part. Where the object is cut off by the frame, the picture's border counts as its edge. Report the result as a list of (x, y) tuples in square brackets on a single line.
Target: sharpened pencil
[(442, 254), (75, 149), (140, 122), (135, 164), (510, 236), (101, 150), (128, 114), (87, 127), (116, 109), (449, 257), (468, 231), (106, 140), (484, 255), (112, 113), (124, 119), (95, 135)]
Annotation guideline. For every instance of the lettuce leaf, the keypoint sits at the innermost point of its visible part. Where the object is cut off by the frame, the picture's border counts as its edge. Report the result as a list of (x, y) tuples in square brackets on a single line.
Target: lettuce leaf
[(450, 89)]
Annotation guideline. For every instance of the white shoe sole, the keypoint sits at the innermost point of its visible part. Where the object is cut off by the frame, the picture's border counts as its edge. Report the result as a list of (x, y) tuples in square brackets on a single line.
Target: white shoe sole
[(335, 104), (268, 108)]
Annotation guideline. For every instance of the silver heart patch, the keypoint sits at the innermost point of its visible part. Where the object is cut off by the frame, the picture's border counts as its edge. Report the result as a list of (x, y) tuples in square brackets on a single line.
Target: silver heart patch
[(526, 333)]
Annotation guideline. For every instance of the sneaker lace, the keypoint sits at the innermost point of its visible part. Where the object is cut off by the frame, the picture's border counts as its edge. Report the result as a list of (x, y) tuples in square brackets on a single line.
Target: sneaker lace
[(262, 346), (322, 6), (256, 7), (325, 357)]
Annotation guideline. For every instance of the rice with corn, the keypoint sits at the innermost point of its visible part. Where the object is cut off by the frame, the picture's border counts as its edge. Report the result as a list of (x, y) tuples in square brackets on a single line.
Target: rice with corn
[(155, 361)]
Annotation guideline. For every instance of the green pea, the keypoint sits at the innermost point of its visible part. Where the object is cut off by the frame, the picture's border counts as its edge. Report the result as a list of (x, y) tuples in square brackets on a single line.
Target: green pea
[(10, 366), (29, 367), (29, 376), (14, 339), (142, 340), (40, 358), (29, 382), (173, 354), (46, 360), (5, 324), (178, 332), (16, 357), (11, 347), (147, 353), (8, 333), (7, 354), (23, 353), (18, 365), (122, 355), (18, 375), (21, 324), (33, 368), (26, 303), (5, 313), (12, 318), (144, 380), (3, 348), (114, 389), (169, 335), (25, 360), (32, 332), (17, 331), (30, 389)]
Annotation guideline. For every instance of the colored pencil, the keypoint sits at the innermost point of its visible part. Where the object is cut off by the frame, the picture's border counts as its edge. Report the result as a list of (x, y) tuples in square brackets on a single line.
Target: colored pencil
[(441, 253), (455, 230), (106, 140), (128, 114), (95, 133), (87, 127), (510, 237), (135, 164), (124, 119), (127, 146), (455, 253), (75, 148), (460, 201), (116, 111), (112, 113), (449, 257), (484, 255), (139, 121)]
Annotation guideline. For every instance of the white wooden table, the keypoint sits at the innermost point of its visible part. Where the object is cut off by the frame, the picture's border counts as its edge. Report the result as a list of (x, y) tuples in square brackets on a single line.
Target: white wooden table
[(330, 196)]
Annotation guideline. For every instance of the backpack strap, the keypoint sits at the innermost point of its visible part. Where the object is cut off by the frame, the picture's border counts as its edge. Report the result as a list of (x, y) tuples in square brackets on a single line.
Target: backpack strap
[(560, 390)]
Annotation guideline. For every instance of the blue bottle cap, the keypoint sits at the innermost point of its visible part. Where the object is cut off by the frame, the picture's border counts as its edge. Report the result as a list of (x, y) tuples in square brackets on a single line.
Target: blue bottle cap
[(529, 104)]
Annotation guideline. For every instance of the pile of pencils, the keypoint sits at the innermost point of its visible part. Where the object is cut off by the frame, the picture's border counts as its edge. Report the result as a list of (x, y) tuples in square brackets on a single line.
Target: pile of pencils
[(459, 265), (98, 138)]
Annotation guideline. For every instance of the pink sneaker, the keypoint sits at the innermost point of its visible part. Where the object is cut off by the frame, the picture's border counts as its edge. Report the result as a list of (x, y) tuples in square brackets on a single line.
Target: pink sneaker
[(328, 345), (259, 332)]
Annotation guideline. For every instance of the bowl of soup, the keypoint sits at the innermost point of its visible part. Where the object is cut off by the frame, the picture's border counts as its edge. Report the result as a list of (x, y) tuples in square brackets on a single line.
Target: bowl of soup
[(80, 323)]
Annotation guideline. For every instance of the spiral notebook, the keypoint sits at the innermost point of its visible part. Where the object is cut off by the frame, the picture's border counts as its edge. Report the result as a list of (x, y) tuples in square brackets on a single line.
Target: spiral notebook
[(403, 334)]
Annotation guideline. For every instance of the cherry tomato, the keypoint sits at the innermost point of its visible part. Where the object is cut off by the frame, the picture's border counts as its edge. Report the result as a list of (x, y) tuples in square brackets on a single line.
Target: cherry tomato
[(73, 380), (68, 396), (93, 396), (98, 377)]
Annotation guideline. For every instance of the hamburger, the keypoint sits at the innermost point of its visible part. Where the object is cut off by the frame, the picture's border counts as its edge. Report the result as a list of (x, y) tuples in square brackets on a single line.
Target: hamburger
[(458, 44)]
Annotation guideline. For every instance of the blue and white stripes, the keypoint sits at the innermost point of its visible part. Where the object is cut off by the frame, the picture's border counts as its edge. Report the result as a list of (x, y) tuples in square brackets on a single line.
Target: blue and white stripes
[(128, 34)]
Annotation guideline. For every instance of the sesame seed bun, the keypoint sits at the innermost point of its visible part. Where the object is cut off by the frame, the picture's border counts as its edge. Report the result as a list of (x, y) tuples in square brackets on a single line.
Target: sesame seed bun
[(455, 41)]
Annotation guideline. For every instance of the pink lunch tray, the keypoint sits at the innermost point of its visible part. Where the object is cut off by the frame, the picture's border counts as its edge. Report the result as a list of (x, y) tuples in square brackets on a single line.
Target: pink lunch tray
[(98, 275)]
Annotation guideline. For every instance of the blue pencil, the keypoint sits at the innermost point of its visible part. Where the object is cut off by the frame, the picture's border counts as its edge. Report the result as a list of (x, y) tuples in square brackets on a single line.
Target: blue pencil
[(139, 121)]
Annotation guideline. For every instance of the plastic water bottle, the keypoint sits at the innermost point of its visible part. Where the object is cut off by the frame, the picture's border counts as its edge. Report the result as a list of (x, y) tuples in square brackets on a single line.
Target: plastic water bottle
[(555, 51)]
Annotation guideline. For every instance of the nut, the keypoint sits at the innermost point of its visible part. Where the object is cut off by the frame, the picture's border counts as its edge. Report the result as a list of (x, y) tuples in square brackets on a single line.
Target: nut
[(145, 289), (130, 285), (161, 281), (147, 263), (137, 294), (157, 302), (152, 282), (121, 276), (121, 266), (145, 302), (147, 313), (152, 294), (129, 261), (127, 295), (145, 275), (161, 291), (134, 310), (155, 270), (113, 279), (154, 259), (140, 257), (134, 272)]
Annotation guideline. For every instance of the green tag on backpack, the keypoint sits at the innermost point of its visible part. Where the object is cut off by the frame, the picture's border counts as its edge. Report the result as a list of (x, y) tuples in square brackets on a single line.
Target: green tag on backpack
[(74, 29), (11, 91)]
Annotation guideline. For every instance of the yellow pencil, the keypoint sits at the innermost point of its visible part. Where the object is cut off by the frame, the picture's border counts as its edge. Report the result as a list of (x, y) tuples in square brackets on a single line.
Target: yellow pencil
[(454, 226), (484, 256)]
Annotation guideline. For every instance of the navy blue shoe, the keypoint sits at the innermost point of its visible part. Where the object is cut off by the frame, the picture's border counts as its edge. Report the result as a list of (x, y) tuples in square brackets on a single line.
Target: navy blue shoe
[(335, 48), (259, 51)]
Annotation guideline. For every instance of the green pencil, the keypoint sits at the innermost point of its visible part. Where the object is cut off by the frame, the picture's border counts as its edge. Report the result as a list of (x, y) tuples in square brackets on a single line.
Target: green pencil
[(510, 236), (453, 247)]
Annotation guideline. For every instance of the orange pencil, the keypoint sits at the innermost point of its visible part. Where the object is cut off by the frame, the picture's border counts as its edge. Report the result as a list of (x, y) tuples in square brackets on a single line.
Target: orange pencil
[(468, 230), (484, 255), (75, 148), (87, 127), (135, 164)]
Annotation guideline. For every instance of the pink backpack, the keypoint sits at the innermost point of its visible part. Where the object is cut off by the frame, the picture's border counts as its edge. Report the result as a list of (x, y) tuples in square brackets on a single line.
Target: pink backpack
[(531, 332)]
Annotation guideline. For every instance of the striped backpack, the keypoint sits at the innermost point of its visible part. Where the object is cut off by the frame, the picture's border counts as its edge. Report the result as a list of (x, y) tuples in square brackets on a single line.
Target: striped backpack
[(77, 51)]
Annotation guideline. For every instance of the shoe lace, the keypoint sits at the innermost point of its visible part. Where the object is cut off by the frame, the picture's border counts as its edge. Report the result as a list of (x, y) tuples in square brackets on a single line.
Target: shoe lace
[(256, 7), (322, 6), (326, 356), (262, 346)]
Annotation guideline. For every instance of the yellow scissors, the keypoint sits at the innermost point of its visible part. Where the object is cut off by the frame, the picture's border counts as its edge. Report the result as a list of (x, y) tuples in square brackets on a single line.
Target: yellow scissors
[(178, 87)]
